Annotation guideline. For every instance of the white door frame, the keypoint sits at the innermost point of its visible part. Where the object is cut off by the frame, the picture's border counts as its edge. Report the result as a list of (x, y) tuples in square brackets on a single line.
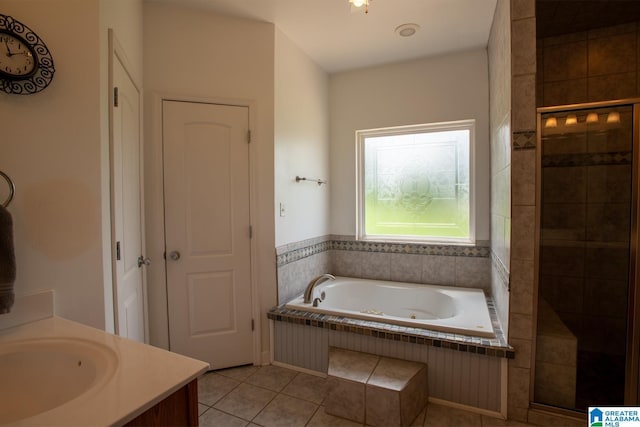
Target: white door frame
[(155, 216), (117, 53)]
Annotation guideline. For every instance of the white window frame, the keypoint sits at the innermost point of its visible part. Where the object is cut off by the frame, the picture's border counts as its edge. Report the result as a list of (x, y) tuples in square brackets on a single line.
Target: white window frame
[(361, 135)]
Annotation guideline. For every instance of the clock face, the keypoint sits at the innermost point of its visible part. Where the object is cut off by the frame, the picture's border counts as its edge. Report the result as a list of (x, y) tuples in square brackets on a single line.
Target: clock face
[(26, 64), (17, 59)]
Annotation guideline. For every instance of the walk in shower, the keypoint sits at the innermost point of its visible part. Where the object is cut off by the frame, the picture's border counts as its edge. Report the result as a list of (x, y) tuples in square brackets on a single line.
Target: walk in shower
[(587, 334)]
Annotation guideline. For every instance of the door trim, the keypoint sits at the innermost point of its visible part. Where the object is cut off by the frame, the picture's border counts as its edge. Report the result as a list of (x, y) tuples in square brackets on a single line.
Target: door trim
[(155, 217), (117, 53)]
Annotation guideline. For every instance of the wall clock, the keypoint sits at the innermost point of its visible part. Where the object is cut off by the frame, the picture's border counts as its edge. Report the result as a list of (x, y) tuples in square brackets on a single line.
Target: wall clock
[(26, 64)]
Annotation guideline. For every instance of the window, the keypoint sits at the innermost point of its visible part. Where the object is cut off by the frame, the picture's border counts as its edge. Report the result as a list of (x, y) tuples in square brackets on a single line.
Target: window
[(415, 183)]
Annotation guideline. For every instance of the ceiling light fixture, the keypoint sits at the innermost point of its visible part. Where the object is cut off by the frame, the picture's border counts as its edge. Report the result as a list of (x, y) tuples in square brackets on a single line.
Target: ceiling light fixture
[(592, 118), (359, 3), (407, 30)]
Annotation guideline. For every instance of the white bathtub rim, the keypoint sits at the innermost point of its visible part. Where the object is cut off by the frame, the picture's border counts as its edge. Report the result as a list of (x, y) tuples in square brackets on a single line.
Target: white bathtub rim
[(463, 322)]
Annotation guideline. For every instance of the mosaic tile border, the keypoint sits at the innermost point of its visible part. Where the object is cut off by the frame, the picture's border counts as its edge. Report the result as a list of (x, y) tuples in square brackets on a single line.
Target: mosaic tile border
[(411, 248), (526, 140), (298, 254), (381, 247), (496, 347), (588, 159), (289, 247)]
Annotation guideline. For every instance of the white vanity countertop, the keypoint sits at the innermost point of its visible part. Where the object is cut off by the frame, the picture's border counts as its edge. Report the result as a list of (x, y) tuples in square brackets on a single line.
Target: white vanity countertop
[(143, 377)]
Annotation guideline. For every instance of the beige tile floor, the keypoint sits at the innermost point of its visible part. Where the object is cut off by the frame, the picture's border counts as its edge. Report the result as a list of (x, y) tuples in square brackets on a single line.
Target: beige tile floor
[(274, 396)]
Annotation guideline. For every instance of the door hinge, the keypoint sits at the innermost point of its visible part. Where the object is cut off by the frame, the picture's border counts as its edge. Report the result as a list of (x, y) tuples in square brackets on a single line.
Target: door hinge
[(117, 251), (251, 231), (253, 325), (115, 96), (249, 136)]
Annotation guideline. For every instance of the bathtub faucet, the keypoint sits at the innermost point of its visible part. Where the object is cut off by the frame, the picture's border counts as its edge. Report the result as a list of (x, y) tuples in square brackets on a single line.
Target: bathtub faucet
[(308, 293)]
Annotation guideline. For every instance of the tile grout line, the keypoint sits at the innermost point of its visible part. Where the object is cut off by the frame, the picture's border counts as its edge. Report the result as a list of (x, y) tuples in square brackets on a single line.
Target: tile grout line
[(223, 396), (273, 398), (263, 408), (426, 421), (244, 381)]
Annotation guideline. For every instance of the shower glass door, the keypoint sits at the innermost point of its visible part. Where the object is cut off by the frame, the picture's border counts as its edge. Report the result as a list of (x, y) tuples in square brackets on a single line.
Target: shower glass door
[(586, 256)]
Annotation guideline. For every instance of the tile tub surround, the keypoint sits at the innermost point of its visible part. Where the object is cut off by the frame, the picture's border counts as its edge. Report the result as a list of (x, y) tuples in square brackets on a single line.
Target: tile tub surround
[(293, 252), (298, 400), (497, 347), (451, 265)]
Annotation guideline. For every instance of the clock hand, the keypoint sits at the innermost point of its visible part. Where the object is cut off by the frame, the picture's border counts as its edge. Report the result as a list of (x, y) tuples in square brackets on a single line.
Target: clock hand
[(9, 53)]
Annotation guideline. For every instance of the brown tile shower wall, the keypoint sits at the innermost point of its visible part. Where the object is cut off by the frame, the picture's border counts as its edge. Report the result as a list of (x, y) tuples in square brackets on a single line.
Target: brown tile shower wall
[(300, 262), (583, 67), (589, 66)]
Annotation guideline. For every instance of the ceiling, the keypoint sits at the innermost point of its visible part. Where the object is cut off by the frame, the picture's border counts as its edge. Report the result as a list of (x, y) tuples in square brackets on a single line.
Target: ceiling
[(339, 39)]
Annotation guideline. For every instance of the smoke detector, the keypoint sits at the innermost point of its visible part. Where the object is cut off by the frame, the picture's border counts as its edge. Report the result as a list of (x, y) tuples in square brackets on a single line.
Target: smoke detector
[(407, 30)]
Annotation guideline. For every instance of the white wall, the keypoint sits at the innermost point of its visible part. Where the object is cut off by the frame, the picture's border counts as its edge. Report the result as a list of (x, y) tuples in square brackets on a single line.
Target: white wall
[(53, 146), (301, 143), (444, 88), (190, 53)]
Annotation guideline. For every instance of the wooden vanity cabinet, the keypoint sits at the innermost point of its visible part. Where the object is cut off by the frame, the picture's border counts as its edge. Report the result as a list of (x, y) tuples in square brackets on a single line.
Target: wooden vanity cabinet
[(179, 409)]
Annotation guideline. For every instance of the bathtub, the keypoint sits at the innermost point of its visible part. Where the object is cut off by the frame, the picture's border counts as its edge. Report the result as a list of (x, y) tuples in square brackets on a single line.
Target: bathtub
[(440, 308)]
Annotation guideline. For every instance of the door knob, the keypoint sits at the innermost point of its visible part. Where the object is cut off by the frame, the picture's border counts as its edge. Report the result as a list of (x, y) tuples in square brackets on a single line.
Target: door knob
[(175, 255), (142, 260)]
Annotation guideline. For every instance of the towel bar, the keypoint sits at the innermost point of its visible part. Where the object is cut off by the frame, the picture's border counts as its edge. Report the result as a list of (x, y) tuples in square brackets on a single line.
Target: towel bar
[(319, 181), (12, 189)]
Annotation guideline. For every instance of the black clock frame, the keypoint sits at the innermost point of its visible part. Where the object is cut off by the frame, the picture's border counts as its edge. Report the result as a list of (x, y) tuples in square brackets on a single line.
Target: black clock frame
[(43, 71)]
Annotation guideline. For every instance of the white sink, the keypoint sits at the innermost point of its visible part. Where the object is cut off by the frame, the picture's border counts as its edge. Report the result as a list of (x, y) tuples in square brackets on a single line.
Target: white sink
[(38, 375)]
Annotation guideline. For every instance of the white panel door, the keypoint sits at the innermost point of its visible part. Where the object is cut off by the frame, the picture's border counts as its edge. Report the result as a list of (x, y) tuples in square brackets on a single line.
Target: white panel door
[(127, 207), (206, 185)]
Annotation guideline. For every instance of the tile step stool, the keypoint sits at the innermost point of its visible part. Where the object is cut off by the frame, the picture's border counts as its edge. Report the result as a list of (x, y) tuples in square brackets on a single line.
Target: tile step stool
[(378, 391)]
